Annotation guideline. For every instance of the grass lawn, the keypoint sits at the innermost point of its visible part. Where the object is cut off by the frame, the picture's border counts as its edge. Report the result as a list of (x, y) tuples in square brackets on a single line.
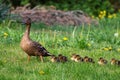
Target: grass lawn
[(93, 41)]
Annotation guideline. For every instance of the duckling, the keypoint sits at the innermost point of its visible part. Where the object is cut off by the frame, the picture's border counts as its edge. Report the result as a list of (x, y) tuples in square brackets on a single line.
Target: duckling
[(54, 58), (86, 59), (78, 59), (118, 63), (31, 47), (74, 57), (62, 58), (91, 60), (102, 61), (114, 61)]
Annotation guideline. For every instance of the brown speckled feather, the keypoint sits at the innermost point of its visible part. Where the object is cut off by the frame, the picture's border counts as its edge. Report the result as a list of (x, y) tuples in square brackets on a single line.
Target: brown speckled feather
[(40, 50)]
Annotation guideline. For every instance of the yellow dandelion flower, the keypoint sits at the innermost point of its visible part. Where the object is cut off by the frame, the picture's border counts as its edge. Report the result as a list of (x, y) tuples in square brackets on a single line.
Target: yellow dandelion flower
[(93, 16), (65, 38), (104, 15), (118, 10), (101, 12), (5, 61), (110, 16), (5, 34), (118, 49), (114, 15), (104, 12), (41, 72), (89, 44), (110, 48), (106, 49), (100, 16)]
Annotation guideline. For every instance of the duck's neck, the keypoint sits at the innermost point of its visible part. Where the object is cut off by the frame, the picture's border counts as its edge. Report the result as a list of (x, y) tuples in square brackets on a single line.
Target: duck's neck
[(27, 32)]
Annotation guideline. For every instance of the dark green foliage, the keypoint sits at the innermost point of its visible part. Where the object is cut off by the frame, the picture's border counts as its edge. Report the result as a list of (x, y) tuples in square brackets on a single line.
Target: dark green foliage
[(3, 11), (91, 7), (82, 43)]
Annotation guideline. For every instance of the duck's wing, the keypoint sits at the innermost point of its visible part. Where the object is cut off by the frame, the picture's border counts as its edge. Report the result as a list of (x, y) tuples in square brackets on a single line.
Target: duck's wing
[(40, 49)]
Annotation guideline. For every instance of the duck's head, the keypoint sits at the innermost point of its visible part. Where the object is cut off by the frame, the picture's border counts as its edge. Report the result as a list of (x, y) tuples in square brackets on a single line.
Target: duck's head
[(27, 21)]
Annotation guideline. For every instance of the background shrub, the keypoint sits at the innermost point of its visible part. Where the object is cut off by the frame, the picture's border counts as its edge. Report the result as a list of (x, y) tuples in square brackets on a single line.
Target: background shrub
[(91, 7)]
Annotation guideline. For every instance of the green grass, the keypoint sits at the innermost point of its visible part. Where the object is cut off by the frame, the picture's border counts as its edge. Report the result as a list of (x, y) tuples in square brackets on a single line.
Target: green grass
[(13, 61)]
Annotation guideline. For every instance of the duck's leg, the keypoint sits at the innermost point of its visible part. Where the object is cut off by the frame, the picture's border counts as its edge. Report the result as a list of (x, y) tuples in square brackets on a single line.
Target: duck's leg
[(28, 58), (41, 58)]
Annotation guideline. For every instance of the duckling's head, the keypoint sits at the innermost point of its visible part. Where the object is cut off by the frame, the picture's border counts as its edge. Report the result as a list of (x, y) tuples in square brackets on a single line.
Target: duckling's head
[(64, 59), (73, 55), (100, 58), (59, 55)]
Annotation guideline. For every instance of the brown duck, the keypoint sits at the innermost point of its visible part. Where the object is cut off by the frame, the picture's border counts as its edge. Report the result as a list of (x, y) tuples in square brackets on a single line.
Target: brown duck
[(32, 48)]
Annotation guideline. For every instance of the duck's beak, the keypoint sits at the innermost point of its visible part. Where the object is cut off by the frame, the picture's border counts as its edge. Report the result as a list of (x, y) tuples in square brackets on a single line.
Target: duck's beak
[(23, 23)]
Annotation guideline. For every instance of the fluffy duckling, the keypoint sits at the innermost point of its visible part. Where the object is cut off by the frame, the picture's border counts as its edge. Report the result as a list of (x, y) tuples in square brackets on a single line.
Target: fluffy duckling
[(73, 57), (86, 59), (115, 62), (91, 60), (62, 58), (78, 59), (118, 63), (102, 61), (54, 58)]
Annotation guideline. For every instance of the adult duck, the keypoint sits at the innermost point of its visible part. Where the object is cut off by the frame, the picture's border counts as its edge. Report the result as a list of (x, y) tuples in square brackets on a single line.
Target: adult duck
[(31, 47)]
